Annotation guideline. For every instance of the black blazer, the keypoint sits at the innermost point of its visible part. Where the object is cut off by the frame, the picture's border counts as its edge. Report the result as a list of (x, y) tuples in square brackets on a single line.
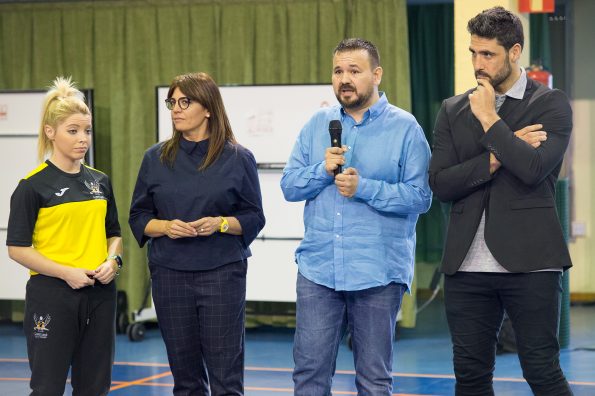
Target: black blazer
[(522, 229)]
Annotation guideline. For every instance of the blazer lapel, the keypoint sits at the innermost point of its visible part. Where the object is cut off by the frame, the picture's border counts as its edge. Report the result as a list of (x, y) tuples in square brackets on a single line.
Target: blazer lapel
[(510, 104)]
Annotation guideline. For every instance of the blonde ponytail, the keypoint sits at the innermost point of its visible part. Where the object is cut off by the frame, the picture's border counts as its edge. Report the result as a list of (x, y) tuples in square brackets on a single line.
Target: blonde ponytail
[(62, 100)]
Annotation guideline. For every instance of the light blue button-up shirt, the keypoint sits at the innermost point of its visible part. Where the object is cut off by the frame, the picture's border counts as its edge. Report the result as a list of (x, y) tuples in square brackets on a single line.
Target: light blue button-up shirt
[(367, 240)]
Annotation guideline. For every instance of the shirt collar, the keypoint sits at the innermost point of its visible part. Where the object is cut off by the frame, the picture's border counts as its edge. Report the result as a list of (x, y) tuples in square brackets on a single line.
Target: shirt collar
[(189, 146), (517, 91), (375, 109)]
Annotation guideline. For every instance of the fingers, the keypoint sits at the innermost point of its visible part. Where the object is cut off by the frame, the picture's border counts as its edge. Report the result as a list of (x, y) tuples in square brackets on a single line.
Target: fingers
[(534, 127), (334, 157), (88, 282), (88, 279), (494, 163), (537, 135), (484, 83), (483, 88), (78, 278), (346, 176), (527, 129), (104, 278), (337, 150), (183, 228), (532, 135), (179, 229), (104, 274), (535, 138), (206, 226), (347, 181), (482, 104)]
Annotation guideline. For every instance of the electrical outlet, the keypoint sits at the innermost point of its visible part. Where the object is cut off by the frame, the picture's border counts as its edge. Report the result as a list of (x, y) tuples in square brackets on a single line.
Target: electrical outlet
[(579, 229)]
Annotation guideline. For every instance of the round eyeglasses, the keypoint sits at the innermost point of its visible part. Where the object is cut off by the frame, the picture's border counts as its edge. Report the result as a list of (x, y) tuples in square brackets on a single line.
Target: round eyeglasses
[(183, 102)]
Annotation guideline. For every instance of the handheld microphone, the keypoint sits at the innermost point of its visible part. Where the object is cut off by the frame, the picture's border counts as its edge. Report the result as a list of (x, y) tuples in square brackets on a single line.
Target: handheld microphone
[(334, 129)]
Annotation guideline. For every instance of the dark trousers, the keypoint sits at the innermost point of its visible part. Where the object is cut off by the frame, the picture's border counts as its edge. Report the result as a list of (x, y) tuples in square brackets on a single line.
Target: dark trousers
[(66, 327), (475, 304), (201, 316)]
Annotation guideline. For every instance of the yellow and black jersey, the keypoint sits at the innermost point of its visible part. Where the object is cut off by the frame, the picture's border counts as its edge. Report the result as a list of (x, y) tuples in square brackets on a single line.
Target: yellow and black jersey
[(65, 217)]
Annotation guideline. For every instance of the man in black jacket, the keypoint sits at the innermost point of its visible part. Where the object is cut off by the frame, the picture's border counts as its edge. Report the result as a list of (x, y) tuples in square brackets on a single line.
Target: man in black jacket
[(498, 149)]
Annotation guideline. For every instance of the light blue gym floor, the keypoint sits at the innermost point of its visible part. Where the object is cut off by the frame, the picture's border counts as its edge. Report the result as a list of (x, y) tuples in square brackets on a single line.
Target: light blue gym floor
[(422, 363)]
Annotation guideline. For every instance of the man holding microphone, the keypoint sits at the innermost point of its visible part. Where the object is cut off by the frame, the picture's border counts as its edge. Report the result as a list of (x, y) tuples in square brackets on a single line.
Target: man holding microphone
[(363, 198)]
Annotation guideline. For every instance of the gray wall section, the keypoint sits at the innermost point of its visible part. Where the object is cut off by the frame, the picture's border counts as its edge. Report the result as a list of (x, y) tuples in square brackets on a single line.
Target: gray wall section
[(583, 59)]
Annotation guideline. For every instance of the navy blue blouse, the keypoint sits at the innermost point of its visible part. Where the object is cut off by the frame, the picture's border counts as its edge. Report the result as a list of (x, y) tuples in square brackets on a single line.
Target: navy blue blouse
[(228, 187)]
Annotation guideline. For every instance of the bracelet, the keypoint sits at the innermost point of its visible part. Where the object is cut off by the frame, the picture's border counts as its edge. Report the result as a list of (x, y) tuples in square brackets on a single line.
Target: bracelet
[(118, 259)]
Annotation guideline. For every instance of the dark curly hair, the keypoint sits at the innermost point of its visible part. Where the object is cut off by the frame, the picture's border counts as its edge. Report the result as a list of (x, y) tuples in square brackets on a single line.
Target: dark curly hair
[(500, 24)]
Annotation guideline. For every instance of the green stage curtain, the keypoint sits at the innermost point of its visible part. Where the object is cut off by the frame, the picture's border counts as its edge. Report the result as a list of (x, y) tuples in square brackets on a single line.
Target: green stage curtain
[(122, 50), (431, 43), (539, 33)]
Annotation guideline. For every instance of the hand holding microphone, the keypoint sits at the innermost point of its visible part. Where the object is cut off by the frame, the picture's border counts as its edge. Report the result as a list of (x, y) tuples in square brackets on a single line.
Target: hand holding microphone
[(334, 155)]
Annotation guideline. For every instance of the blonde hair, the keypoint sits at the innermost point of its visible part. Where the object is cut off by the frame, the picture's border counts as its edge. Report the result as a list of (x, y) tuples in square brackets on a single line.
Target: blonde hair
[(62, 100)]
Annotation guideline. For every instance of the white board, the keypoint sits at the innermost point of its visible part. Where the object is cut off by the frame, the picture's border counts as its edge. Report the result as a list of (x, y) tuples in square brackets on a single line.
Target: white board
[(284, 219), (18, 157), (272, 271), (13, 276), (20, 113)]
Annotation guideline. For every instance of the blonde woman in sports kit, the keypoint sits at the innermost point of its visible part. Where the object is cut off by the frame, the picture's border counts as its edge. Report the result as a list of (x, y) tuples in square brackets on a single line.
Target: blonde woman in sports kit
[(63, 227)]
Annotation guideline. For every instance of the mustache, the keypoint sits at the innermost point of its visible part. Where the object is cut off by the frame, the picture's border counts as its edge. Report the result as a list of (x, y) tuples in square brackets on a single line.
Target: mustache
[(481, 74), (347, 86)]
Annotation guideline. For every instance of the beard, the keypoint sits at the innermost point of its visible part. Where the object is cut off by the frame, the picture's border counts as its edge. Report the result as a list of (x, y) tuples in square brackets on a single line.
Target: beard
[(499, 78), (357, 101)]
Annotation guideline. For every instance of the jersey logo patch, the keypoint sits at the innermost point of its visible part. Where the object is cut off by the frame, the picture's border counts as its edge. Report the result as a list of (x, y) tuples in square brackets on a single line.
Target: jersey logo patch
[(94, 187), (40, 330), (62, 191)]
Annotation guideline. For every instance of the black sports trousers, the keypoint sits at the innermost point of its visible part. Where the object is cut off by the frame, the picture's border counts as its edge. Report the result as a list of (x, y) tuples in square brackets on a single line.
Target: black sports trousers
[(66, 327)]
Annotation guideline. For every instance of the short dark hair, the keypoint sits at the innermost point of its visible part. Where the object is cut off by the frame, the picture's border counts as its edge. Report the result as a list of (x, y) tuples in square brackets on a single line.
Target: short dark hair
[(354, 44), (500, 24)]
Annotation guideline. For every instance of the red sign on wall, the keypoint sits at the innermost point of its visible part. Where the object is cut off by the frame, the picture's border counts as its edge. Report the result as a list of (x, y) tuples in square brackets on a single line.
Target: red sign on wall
[(537, 6)]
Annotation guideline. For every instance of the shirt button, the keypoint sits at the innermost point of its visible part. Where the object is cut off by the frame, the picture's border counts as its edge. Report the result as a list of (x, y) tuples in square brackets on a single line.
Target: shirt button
[(337, 236), (338, 214), (349, 147)]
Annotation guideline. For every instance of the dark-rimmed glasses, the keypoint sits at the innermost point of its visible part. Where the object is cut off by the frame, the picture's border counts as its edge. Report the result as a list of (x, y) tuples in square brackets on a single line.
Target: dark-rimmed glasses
[(183, 102)]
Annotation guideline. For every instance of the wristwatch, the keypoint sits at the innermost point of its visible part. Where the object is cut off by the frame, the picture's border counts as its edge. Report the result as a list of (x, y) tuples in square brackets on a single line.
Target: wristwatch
[(118, 259), (224, 226)]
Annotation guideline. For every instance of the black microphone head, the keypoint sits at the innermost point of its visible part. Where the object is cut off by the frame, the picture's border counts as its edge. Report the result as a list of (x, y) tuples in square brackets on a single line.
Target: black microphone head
[(335, 128), (335, 124)]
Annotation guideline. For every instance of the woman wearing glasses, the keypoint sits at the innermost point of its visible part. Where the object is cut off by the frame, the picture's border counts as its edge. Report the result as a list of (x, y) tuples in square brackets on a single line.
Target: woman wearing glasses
[(63, 227), (197, 199)]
